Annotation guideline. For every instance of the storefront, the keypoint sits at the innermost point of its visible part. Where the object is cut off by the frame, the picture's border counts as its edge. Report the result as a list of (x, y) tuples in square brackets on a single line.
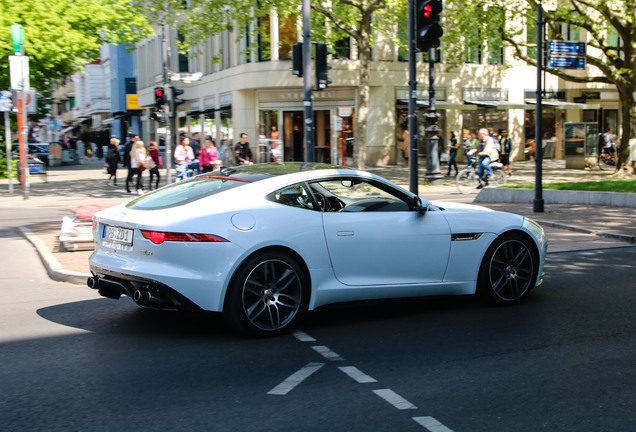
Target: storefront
[(281, 132)]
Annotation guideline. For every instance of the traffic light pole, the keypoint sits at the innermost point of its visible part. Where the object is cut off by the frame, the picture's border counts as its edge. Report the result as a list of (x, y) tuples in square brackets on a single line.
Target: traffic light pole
[(413, 181), (307, 81), (538, 203), (432, 130), (165, 56)]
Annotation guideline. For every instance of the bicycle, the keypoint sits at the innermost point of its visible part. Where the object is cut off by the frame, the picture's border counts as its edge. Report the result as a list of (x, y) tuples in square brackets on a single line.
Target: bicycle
[(606, 161), (468, 179)]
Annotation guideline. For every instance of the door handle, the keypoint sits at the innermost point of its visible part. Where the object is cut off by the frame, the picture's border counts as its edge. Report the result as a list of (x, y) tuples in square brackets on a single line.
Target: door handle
[(344, 233)]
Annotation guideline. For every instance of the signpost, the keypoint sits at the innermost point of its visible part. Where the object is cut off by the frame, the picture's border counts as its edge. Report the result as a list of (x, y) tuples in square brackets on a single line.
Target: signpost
[(567, 54), (6, 105), (19, 69)]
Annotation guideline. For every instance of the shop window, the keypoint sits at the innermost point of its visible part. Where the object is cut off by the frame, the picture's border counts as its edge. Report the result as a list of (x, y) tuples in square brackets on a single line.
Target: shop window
[(589, 116), (610, 120), (270, 146)]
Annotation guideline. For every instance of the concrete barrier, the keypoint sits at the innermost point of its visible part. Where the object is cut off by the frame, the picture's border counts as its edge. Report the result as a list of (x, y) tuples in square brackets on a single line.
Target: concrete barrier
[(505, 195)]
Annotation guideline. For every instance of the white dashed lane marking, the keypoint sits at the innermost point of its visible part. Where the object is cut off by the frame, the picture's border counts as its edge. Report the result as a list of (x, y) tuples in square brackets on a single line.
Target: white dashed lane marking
[(431, 424), (357, 374), (295, 379), (327, 353), (302, 336), (394, 399)]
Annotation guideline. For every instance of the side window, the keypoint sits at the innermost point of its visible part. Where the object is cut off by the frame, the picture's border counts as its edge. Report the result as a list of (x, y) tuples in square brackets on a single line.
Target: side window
[(295, 196), (357, 196)]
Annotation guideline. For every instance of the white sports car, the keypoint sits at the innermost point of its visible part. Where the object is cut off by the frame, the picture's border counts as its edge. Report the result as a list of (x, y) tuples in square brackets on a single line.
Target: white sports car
[(265, 243)]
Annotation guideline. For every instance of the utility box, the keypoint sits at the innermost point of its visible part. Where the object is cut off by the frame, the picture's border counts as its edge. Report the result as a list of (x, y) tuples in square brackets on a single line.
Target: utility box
[(581, 144)]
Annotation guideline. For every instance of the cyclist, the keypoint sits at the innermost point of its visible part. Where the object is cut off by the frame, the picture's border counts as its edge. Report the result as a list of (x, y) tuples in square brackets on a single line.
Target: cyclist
[(609, 144), (487, 152)]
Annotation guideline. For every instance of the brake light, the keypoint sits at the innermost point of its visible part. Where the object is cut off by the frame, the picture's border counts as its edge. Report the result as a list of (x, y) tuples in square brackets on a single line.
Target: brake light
[(158, 237)]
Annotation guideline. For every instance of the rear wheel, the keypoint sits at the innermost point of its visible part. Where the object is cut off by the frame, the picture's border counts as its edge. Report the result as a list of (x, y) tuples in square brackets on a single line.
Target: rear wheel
[(268, 294), (508, 270), (606, 162), (467, 181), (498, 178)]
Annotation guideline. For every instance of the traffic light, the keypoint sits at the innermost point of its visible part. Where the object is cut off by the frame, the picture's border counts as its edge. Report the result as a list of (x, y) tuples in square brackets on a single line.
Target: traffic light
[(297, 59), (427, 28), (322, 67), (158, 116), (160, 97), (174, 101)]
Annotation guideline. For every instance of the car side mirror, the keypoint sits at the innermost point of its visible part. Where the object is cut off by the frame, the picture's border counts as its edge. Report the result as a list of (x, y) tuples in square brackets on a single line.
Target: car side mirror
[(418, 205)]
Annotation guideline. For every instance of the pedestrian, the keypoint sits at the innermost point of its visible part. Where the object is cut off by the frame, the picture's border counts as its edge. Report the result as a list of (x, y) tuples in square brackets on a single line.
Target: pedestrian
[(226, 154), (183, 157), (195, 143), (137, 159), (127, 148), (209, 156), (112, 159), (243, 151), (158, 164), (504, 154), (453, 145)]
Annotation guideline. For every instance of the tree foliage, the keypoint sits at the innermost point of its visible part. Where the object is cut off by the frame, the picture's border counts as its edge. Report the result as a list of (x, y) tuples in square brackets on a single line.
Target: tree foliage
[(609, 26), (63, 35), (331, 21)]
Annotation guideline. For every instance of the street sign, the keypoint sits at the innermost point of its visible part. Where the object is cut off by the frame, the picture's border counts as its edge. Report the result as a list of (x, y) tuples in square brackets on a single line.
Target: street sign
[(563, 62), (567, 47), (6, 104), (19, 70)]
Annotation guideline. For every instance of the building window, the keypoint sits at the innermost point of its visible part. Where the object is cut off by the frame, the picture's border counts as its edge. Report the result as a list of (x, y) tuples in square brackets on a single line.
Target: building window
[(473, 47), (531, 37), (342, 48), (264, 39), (183, 58), (287, 36), (495, 51)]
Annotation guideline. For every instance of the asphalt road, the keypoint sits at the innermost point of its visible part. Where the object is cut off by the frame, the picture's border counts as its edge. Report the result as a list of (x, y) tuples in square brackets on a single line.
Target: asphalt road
[(561, 361)]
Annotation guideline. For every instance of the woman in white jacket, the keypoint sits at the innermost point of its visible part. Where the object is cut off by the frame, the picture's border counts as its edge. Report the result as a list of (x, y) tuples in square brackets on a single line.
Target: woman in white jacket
[(137, 159)]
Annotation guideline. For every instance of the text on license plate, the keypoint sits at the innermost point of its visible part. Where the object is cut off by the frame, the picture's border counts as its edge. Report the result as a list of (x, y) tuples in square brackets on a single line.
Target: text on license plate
[(118, 235)]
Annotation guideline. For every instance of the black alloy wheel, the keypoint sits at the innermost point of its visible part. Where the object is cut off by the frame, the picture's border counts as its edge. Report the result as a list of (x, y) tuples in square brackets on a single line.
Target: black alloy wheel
[(268, 294), (508, 271)]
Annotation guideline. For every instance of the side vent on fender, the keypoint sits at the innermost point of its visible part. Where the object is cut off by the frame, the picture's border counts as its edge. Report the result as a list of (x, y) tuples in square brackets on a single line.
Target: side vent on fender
[(465, 236)]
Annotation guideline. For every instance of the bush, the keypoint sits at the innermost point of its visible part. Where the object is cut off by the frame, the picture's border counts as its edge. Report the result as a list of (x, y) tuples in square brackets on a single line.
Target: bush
[(4, 170)]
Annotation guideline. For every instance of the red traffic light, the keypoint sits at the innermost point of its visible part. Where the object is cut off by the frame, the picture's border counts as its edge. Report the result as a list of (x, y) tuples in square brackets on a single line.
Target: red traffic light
[(427, 10), (159, 92)]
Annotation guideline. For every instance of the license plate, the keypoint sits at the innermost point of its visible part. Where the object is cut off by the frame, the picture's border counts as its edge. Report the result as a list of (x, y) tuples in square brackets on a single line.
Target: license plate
[(118, 235)]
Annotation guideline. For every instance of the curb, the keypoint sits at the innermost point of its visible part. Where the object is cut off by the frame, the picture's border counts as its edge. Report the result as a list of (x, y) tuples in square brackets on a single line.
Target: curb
[(616, 236), (505, 195), (53, 268)]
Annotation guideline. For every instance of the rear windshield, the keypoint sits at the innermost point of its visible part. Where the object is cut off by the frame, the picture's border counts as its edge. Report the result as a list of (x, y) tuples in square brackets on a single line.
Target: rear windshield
[(185, 192)]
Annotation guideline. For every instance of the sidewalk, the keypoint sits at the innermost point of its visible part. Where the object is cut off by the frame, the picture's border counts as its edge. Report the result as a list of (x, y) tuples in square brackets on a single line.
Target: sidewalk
[(568, 226)]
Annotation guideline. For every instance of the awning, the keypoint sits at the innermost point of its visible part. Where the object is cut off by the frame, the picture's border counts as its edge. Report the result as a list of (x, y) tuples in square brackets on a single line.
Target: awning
[(502, 105), (563, 105), (438, 104), (196, 112)]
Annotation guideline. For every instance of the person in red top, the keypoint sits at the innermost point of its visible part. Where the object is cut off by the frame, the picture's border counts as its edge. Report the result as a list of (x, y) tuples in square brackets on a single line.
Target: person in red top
[(209, 156), (156, 157)]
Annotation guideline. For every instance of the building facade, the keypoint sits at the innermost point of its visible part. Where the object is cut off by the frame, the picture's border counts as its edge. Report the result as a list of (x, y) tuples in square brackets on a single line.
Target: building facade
[(252, 90)]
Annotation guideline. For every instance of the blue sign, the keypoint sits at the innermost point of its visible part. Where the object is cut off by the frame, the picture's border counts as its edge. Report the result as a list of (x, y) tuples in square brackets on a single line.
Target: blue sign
[(562, 62), (567, 47)]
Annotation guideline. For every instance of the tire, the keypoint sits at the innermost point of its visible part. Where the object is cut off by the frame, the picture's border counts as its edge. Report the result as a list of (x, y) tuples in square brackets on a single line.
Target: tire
[(268, 295), (467, 181), (606, 164), (498, 178), (508, 270)]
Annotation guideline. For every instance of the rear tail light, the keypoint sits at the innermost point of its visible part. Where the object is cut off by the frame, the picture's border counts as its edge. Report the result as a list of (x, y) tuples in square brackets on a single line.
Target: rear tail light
[(158, 237)]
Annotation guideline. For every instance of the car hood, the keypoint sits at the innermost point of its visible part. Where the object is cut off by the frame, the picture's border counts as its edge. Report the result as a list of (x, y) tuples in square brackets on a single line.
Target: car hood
[(459, 207)]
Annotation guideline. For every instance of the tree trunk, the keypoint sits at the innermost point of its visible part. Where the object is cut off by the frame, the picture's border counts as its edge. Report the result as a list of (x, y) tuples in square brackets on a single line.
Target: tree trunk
[(625, 165), (362, 112)]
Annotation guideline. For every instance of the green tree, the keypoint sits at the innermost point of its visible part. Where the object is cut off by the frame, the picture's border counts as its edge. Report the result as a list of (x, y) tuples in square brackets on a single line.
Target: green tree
[(610, 27), (63, 35), (331, 21)]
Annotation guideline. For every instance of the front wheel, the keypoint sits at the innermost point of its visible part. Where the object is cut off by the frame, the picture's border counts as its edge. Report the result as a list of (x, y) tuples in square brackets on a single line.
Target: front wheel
[(508, 270), (268, 294), (467, 181)]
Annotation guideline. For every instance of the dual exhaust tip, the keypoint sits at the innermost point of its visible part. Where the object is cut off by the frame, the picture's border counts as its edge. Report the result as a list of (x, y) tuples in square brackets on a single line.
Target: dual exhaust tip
[(114, 290)]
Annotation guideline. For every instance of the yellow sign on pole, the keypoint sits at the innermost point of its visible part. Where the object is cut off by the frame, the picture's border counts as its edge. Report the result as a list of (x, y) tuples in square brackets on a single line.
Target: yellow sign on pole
[(131, 102)]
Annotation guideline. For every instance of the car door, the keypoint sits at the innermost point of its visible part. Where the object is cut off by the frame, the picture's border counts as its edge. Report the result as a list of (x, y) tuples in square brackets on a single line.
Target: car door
[(387, 247)]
